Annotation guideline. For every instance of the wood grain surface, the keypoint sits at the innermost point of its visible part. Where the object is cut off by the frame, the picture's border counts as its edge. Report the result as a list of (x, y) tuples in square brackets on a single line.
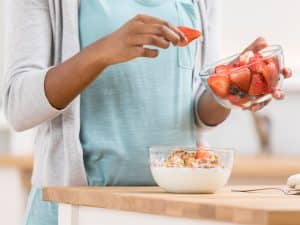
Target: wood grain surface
[(261, 208), (23, 162)]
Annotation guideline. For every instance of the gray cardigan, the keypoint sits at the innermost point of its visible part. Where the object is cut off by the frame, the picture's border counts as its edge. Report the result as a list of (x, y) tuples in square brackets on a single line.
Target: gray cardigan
[(42, 34)]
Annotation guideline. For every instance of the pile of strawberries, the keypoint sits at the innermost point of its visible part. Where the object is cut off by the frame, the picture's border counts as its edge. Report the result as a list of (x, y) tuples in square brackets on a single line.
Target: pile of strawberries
[(248, 78)]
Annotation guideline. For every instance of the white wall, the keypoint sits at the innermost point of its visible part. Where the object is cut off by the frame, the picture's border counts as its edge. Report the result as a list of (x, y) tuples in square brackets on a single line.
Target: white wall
[(1, 38), (278, 21)]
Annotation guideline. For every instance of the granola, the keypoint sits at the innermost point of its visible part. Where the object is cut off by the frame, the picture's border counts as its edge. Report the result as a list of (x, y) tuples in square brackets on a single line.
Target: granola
[(199, 158)]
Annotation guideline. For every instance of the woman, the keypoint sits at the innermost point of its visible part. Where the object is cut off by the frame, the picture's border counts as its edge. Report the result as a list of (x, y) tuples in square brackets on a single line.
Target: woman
[(101, 82)]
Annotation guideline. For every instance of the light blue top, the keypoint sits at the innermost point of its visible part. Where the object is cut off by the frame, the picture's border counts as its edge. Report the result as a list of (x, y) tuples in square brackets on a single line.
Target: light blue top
[(136, 104), (131, 105)]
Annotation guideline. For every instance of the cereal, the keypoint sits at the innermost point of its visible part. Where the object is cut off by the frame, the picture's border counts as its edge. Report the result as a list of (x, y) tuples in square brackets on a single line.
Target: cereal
[(190, 159)]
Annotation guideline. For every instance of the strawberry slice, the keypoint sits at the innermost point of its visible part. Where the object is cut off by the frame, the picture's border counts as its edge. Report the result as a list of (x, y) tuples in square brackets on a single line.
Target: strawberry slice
[(241, 78), (258, 85), (273, 60), (237, 100), (258, 55), (257, 65), (244, 59), (223, 69), (219, 84), (201, 153), (271, 75), (190, 33)]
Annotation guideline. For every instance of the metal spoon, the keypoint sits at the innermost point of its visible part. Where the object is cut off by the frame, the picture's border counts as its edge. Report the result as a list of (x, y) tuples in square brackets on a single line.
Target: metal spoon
[(286, 191)]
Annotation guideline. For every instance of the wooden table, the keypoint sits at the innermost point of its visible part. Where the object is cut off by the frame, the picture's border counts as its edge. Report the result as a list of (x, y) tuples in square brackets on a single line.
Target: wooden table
[(151, 205)]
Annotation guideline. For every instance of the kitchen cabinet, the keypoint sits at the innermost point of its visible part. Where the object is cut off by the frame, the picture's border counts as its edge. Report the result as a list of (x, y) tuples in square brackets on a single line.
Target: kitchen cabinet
[(151, 205)]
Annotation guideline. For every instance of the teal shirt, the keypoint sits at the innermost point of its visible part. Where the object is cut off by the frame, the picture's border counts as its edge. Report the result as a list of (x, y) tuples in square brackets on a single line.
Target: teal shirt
[(131, 106), (136, 104)]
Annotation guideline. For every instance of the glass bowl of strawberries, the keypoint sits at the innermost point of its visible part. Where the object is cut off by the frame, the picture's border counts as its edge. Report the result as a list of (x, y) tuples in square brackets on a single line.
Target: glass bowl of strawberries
[(242, 80)]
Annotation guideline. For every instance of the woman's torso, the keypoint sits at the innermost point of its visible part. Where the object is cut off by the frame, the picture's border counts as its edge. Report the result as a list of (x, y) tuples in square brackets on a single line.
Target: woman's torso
[(134, 105)]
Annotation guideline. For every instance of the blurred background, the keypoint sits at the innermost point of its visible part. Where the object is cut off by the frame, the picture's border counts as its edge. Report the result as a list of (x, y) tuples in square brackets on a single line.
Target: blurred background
[(267, 143)]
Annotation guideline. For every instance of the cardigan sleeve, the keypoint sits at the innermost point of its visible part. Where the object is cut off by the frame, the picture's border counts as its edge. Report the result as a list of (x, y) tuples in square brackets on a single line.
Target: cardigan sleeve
[(212, 49), (28, 59)]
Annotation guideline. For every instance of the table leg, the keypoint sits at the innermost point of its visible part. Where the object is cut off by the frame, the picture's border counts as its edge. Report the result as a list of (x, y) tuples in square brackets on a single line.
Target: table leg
[(67, 214)]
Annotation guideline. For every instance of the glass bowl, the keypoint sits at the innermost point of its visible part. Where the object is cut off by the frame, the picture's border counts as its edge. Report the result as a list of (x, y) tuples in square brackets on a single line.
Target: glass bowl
[(190, 169), (242, 80)]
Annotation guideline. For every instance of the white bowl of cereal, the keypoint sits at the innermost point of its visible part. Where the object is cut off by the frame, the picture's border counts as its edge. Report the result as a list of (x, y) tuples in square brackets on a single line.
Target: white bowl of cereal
[(191, 169)]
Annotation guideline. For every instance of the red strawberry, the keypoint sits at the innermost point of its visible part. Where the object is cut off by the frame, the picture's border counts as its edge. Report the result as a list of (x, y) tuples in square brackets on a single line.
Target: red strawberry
[(223, 69), (190, 33), (236, 64), (201, 154), (273, 60), (271, 75), (241, 78), (258, 85), (257, 65), (257, 55), (219, 84), (245, 57), (237, 100)]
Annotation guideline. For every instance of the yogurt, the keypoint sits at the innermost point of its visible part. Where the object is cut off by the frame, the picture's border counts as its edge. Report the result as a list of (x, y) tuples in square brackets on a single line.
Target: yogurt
[(190, 180)]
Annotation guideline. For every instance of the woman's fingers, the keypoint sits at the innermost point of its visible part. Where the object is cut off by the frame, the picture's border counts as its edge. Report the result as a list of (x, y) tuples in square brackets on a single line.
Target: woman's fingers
[(170, 35), (259, 44), (286, 72), (177, 31), (278, 94), (145, 52), (258, 106), (148, 39), (159, 31), (162, 27), (163, 31), (255, 108)]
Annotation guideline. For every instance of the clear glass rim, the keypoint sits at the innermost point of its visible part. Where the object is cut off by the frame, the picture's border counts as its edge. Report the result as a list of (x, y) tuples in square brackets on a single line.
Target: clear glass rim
[(274, 49), (190, 148)]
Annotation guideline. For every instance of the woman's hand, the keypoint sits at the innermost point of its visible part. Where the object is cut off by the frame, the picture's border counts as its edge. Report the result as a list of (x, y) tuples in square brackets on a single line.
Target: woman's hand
[(128, 42), (256, 46), (212, 113)]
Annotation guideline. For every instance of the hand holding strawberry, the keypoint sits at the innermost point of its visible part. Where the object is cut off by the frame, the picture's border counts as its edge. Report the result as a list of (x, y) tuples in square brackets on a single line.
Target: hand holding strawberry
[(190, 34), (256, 46), (250, 77)]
